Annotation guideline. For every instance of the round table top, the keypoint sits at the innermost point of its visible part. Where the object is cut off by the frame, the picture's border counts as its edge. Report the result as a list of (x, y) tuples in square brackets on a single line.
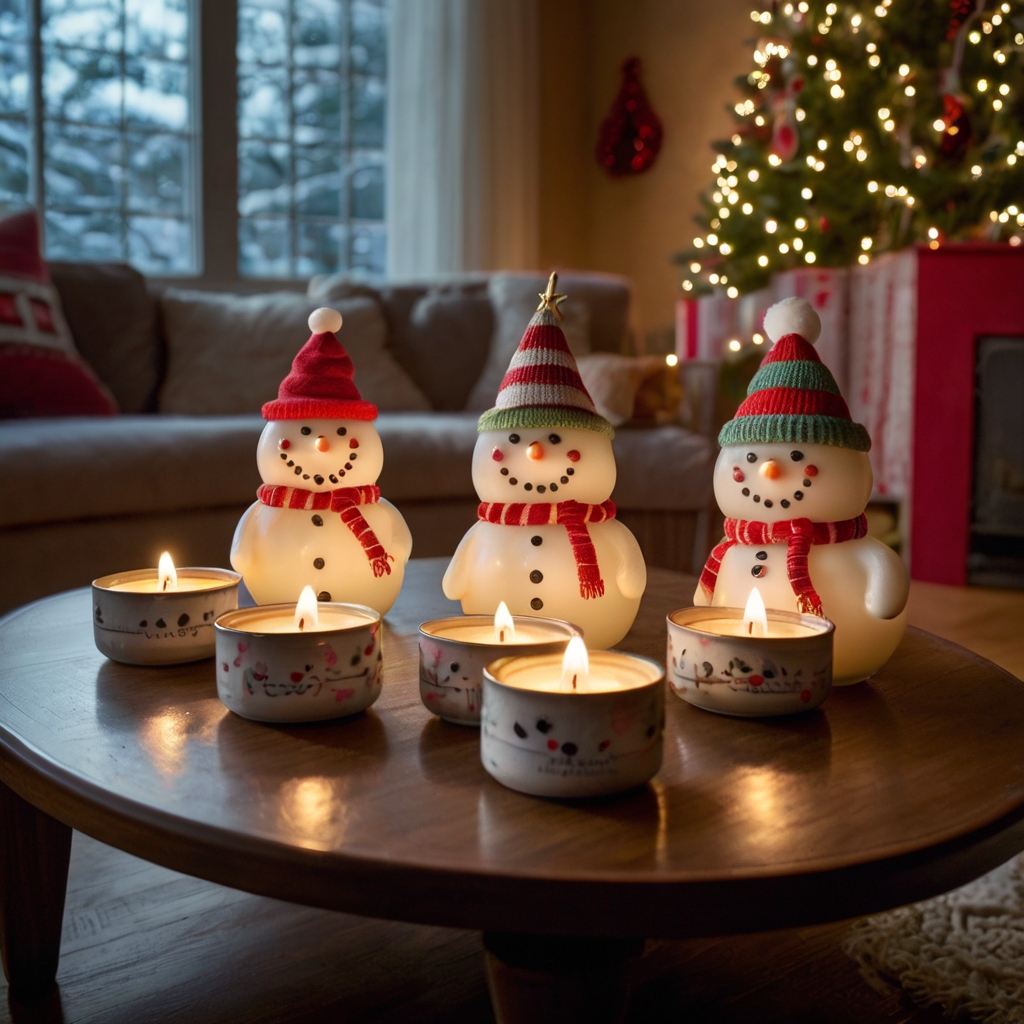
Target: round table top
[(893, 790)]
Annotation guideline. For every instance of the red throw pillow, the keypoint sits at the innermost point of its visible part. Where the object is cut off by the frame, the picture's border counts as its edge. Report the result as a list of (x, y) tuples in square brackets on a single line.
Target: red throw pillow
[(41, 372)]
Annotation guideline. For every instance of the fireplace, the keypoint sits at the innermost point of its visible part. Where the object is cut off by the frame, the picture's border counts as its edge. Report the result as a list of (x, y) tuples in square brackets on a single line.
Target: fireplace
[(996, 555)]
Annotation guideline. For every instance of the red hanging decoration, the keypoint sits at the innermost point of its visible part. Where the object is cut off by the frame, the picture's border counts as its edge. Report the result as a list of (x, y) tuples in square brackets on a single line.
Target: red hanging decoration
[(957, 136), (630, 136)]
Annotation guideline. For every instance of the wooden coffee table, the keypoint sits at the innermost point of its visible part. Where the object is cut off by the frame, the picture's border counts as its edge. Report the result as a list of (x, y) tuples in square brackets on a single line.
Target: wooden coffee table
[(893, 791)]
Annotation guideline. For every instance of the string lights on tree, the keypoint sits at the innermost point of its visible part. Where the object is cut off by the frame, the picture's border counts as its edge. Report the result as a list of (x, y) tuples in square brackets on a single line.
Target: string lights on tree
[(863, 128)]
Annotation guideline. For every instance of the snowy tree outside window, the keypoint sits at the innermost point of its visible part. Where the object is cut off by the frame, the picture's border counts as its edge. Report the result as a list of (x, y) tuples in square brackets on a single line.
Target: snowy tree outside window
[(311, 92)]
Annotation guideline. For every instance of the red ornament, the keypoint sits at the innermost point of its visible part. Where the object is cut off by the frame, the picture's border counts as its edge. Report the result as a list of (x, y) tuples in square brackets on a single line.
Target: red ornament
[(630, 136), (957, 136)]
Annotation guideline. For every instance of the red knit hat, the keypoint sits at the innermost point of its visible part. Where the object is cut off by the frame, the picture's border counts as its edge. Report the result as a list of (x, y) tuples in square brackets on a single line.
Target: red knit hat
[(320, 385)]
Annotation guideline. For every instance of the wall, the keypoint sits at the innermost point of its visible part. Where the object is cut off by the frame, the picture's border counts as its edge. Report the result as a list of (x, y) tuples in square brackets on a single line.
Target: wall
[(690, 53)]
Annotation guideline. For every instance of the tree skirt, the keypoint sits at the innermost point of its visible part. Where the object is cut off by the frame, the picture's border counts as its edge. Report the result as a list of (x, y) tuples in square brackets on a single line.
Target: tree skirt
[(963, 951)]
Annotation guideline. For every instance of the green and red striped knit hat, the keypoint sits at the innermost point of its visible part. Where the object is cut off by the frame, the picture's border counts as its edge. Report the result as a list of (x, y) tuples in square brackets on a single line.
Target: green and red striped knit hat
[(793, 397), (542, 387)]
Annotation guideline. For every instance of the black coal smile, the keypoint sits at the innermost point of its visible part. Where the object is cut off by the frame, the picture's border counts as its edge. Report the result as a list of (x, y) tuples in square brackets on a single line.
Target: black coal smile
[(541, 488)]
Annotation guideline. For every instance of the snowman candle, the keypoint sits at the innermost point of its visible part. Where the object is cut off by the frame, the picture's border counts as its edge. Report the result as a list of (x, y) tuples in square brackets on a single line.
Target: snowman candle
[(547, 541), (793, 479), (319, 515)]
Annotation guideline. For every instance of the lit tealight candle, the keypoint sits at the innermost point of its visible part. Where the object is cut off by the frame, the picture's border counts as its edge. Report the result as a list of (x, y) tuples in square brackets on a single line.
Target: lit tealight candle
[(756, 662), (580, 724), (454, 651), (161, 616), (299, 663)]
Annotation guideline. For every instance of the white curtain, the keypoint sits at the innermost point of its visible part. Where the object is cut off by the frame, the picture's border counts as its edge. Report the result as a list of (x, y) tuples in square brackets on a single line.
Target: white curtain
[(463, 175)]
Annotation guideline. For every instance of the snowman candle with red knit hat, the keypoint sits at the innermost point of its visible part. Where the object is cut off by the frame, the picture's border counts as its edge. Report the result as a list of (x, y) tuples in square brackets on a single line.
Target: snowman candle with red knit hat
[(793, 479), (547, 541), (319, 518)]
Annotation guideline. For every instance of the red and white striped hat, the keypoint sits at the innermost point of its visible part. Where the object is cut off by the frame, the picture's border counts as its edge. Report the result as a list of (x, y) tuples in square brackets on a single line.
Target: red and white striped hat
[(542, 387)]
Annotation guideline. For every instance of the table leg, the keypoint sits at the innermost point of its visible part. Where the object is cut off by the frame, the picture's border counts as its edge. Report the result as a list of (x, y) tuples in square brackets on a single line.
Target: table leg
[(34, 853), (545, 979)]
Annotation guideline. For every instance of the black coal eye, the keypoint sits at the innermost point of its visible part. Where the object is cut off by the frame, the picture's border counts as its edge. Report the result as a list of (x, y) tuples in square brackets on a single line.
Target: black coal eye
[(306, 430), (513, 438), (455, 666), (797, 456), (554, 439), (342, 431), (751, 457)]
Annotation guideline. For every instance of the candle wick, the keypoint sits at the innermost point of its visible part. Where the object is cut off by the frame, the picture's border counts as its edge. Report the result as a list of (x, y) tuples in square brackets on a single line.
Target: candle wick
[(750, 628), (501, 637), (302, 624), (574, 680)]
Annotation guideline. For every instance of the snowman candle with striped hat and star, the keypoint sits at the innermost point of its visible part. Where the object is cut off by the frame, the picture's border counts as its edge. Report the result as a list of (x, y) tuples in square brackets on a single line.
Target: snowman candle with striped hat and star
[(547, 541)]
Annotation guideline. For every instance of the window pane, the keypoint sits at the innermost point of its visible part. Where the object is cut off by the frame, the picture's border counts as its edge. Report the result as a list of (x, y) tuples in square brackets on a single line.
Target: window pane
[(368, 248), (157, 30), (95, 24), (262, 103), (323, 98), (82, 168), (82, 85), (368, 113), (159, 245), (88, 236), (366, 192), (318, 181), (14, 162), (13, 77), (156, 94), (264, 248), (319, 247), (317, 32), (369, 48), (264, 178), (13, 19), (262, 32), (158, 174)]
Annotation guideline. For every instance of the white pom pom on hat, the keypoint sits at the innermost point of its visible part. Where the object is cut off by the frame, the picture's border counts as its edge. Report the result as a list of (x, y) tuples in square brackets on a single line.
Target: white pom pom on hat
[(325, 320), (792, 316)]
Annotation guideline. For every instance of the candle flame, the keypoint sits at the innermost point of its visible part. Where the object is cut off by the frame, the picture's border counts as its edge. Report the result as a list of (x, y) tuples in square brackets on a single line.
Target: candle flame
[(755, 618), (167, 575), (307, 612), (504, 624), (575, 666)]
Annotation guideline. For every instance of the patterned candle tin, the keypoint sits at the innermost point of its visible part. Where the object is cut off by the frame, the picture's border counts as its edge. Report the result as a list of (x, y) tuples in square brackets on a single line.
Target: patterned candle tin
[(290, 676), (750, 676), (563, 744), (452, 665), (160, 627)]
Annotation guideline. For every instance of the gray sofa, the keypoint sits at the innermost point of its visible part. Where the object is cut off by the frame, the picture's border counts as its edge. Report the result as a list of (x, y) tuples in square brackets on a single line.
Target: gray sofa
[(83, 497)]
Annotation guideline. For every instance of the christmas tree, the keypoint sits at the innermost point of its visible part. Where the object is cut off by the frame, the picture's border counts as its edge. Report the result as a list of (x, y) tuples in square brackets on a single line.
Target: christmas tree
[(862, 129)]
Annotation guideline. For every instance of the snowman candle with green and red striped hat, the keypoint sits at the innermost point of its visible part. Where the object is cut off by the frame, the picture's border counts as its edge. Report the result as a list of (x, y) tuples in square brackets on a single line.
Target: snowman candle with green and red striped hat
[(793, 479)]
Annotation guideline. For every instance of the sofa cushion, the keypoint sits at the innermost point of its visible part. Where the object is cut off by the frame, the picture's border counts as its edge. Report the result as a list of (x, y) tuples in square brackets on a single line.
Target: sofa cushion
[(113, 320), (41, 371), (61, 469), (439, 328), (663, 469), (594, 318), (228, 353)]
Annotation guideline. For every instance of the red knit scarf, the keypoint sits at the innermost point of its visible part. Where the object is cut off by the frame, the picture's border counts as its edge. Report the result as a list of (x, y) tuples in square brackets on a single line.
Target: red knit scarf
[(346, 501), (799, 535), (573, 515)]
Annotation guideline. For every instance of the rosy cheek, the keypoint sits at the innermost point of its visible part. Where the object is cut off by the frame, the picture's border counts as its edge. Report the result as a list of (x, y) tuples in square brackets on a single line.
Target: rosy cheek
[(573, 456), (496, 454), (810, 470), (353, 443), (737, 474), (284, 444)]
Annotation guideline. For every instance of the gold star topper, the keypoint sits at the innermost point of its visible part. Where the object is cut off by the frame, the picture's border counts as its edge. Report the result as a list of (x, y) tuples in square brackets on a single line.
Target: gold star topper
[(549, 300)]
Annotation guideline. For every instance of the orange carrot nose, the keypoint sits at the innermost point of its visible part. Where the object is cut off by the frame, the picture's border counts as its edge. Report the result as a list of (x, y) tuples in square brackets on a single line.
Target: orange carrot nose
[(322, 444), (535, 451), (770, 470)]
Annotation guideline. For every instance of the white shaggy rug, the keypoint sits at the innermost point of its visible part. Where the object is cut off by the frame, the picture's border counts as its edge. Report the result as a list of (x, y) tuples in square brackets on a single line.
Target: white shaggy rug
[(963, 951)]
